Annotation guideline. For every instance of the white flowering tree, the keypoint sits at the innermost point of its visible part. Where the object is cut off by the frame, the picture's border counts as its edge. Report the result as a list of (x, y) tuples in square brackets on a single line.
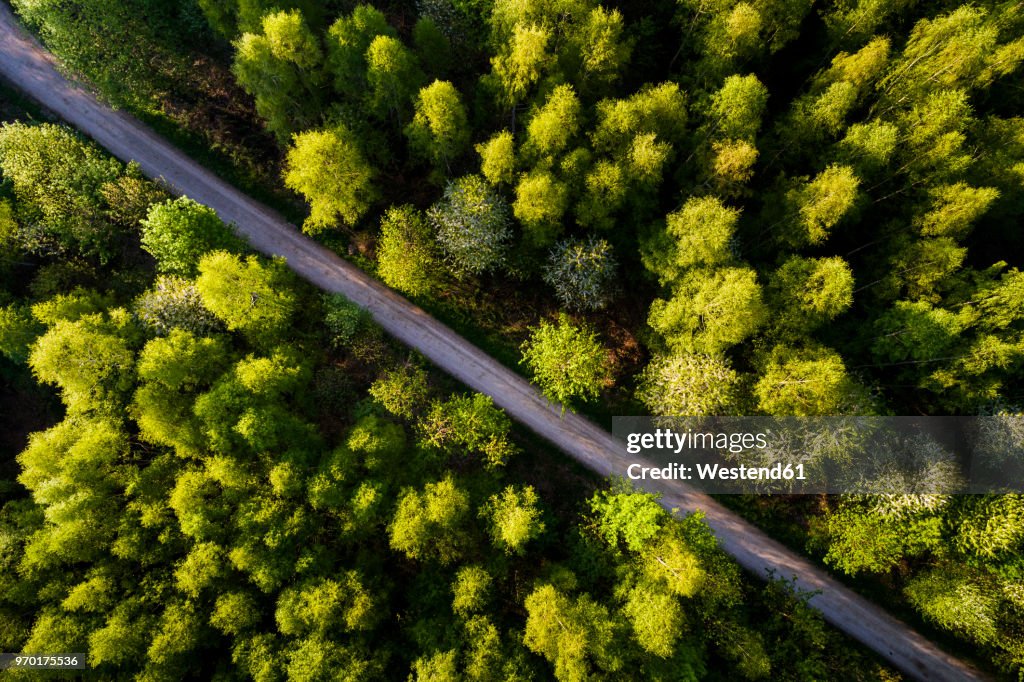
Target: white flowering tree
[(472, 224), (582, 273)]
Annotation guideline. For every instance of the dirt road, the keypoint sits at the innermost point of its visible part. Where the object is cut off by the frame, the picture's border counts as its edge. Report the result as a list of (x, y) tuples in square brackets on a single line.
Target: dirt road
[(30, 68)]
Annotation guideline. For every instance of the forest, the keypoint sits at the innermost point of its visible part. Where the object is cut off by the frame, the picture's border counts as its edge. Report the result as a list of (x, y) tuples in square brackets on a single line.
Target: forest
[(690, 207)]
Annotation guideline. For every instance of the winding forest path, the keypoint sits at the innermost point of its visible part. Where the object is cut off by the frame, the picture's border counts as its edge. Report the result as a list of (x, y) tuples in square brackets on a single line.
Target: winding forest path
[(33, 70)]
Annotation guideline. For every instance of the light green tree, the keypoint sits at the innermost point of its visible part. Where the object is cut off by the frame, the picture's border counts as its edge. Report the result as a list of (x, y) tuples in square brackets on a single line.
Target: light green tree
[(807, 292), (701, 233), (956, 602), (689, 385), (710, 310), (393, 77), (803, 382), (541, 201), (178, 232), (656, 618), (573, 634), (820, 204), (514, 518), (498, 158), (407, 255), (281, 68), (567, 361), (954, 208), (439, 131), (737, 107), (471, 590), (329, 169), (247, 295), (522, 62), (87, 359), (553, 125), (431, 524)]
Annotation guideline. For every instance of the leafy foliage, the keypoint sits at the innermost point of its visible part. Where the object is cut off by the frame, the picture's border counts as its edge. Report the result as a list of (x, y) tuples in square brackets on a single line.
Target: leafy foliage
[(328, 168), (818, 213), (472, 225), (567, 361), (582, 273), (178, 232)]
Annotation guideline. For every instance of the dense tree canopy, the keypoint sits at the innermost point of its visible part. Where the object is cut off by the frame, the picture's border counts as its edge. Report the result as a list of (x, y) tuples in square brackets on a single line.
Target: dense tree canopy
[(763, 206), (212, 497)]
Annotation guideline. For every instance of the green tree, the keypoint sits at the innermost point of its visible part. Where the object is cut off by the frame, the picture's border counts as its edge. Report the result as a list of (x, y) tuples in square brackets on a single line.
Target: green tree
[(868, 147), (328, 168), (393, 77), (17, 332), (541, 201), (433, 48), (513, 518), (281, 68), (669, 562), (733, 164), (235, 612), (431, 524), (439, 131), (348, 40), (605, 191), (958, 603), (323, 604), (128, 50), (173, 370), (710, 310), (646, 158), (247, 295), (403, 391), (407, 255), (955, 50), (58, 181), (468, 424), (178, 232), (916, 331), (567, 361), (689, 385), (604, 49), (862, 540)]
